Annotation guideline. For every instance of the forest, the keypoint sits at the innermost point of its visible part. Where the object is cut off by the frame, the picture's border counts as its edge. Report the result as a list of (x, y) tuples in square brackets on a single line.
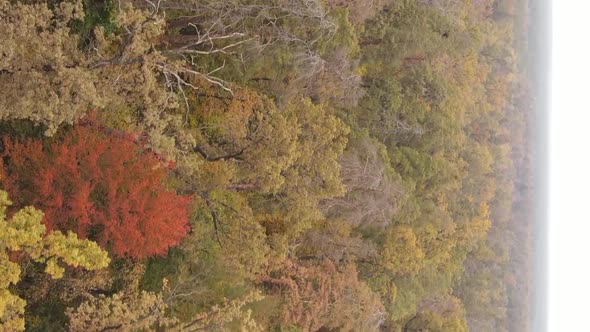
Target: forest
[(264, 165)]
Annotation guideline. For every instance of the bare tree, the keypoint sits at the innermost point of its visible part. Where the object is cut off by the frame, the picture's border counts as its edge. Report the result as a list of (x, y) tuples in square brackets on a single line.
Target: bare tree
[(372, 190), (242, 30)]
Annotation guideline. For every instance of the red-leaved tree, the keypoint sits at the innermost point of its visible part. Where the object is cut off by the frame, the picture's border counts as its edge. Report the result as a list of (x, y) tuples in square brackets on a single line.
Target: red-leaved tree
[(100, 184)]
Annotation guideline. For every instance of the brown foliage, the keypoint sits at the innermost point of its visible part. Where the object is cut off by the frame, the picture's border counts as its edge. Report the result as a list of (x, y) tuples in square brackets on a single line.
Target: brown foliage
[(325, 296)]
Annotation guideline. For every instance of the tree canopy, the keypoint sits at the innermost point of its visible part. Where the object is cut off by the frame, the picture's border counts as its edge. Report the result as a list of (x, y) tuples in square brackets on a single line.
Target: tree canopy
[(101, 186), (249, 165)]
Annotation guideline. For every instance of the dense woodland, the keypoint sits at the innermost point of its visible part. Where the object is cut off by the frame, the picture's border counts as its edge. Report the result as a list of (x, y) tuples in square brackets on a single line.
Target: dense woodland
[(264, 165)]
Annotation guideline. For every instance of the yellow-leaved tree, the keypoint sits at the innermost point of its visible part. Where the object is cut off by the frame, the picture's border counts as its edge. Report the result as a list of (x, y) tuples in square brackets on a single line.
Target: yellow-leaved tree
[(24, 232)]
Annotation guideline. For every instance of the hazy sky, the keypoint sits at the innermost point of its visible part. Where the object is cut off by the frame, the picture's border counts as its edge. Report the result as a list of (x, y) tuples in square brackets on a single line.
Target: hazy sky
[(569, 169)]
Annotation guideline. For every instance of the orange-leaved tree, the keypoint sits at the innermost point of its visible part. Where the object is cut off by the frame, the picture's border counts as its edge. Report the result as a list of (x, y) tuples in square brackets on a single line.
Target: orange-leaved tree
[(101, 184)]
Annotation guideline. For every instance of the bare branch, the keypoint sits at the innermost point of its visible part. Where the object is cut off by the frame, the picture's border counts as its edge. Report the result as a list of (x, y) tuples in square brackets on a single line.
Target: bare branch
[(232, 156)]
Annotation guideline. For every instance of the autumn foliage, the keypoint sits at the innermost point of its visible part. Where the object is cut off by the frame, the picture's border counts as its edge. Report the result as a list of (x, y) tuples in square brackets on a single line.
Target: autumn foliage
[(100, 184), (322, 296), (355, 165)]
